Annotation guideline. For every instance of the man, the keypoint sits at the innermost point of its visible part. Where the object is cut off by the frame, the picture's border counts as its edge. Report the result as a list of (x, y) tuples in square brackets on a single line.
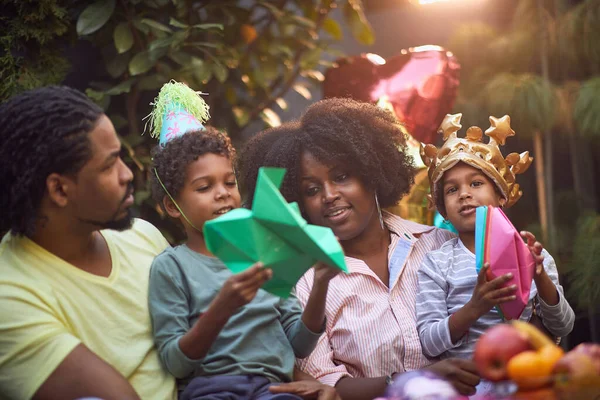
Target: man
[(74, 318), (74, 266)]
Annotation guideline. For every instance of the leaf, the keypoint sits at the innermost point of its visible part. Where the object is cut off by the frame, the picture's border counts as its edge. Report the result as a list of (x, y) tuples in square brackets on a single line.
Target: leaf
[(209, 26), (207, 44), (180, 57), (160, 43), (177, 24), (241, 116), (304, 22), (277, 13), (145, 29), (302, 91), (95, 16), (140, 63), (123, 87), (156, 25), (270, 117), (359, 26), (140, 196), (118, 121), (314, 74), (270, 68), (331, 26), (102, 100), (117, 65), (123, 37), (157, 3), (152, 82), (282, 103), (221, 72), (230, 94), (203, 75)]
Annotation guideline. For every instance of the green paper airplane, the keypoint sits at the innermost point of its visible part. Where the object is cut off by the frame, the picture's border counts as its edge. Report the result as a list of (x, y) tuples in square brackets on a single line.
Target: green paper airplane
[(274, 233)]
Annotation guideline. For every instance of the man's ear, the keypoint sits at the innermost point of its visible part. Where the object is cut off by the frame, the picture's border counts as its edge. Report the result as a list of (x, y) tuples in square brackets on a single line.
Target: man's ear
[(58, 187), (171, 208)]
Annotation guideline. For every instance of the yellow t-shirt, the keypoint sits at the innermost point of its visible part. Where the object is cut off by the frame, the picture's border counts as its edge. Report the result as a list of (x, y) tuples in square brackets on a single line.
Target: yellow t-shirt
[(48, 307)]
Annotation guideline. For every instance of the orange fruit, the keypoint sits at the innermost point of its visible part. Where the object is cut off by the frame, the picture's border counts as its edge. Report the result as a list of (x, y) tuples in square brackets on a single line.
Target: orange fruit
[(550, 356), (529, 370), (248, 33), (538, 394)]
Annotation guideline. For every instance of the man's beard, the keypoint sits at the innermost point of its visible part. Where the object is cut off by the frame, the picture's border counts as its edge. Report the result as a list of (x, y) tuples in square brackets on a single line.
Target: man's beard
[(120, 224)]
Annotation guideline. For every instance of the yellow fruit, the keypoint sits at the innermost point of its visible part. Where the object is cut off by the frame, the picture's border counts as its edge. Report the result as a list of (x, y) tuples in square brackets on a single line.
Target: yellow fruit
[(537, 339)]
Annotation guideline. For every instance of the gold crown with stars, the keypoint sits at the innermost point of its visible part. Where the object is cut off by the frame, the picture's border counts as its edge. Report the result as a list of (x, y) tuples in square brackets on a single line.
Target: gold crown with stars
[(472, 151)]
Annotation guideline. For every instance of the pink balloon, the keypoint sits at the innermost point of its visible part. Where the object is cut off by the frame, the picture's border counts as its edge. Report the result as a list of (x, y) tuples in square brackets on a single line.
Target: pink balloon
[(420, 83)]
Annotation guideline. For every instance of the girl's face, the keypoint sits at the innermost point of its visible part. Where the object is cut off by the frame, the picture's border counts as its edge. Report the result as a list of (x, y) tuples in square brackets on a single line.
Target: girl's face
[(209, 190), (331, 196), (464, 189)]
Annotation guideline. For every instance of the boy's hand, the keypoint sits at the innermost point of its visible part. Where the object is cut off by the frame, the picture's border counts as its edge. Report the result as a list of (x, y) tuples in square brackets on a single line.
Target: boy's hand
[(535, 248), (488, 294), (324, 273), (241, 288)]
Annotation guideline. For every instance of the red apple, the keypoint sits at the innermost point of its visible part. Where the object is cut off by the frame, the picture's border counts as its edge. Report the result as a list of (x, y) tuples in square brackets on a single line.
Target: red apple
[(495, 347), (592, 350), (576, 377)]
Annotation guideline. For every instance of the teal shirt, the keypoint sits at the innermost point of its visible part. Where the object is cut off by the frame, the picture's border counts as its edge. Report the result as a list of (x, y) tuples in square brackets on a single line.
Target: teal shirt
[(261, 338)]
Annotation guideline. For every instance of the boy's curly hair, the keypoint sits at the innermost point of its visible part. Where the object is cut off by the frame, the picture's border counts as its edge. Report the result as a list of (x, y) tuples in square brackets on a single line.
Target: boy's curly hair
[(362, 137), (172, 160)]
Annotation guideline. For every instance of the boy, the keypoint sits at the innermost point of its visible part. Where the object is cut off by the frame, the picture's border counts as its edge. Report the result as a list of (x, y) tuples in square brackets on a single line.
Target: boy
[(217, 332), (455, 304)]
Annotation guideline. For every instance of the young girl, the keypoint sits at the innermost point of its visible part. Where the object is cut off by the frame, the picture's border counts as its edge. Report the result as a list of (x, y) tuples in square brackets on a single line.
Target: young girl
[(218, 333), (456, 305)]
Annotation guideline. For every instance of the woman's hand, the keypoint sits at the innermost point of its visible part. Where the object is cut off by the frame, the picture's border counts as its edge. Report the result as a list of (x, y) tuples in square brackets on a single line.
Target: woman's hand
[(307, 389), (462, 374), (324, 273)]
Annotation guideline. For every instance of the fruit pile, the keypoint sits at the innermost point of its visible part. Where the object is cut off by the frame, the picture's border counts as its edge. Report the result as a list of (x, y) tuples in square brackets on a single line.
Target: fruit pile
[(521, 353)]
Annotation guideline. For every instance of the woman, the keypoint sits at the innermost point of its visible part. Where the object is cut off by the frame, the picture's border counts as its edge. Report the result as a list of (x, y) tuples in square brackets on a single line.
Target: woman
[(346, 161)]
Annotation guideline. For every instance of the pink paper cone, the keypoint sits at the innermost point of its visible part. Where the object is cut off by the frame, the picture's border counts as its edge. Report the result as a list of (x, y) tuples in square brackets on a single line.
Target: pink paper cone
[(506, 252)]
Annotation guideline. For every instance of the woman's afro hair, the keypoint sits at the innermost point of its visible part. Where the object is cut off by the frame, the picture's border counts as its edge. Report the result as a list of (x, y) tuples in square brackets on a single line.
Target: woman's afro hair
[(362, 137)]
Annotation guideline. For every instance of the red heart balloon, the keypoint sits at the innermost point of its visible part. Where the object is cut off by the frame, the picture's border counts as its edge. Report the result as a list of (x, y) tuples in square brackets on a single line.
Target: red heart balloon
[(420, 83)]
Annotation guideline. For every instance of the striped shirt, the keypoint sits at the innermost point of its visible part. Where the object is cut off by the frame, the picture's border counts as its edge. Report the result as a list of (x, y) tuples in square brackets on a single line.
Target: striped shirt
[(446, 282), (371, 326)]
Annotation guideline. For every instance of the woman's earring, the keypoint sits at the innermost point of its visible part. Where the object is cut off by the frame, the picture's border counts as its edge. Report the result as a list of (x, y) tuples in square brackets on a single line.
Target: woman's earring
[(379, 211)]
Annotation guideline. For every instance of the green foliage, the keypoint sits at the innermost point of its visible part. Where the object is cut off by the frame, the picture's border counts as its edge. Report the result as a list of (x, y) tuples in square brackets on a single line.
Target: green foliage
[(584, 270), (245, 55), (29, 55), (527, 98), (587, 107)]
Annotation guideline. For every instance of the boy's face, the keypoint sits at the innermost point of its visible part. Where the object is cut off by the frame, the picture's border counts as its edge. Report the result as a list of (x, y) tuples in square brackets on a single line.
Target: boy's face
[(210, 189), (464, 189)]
